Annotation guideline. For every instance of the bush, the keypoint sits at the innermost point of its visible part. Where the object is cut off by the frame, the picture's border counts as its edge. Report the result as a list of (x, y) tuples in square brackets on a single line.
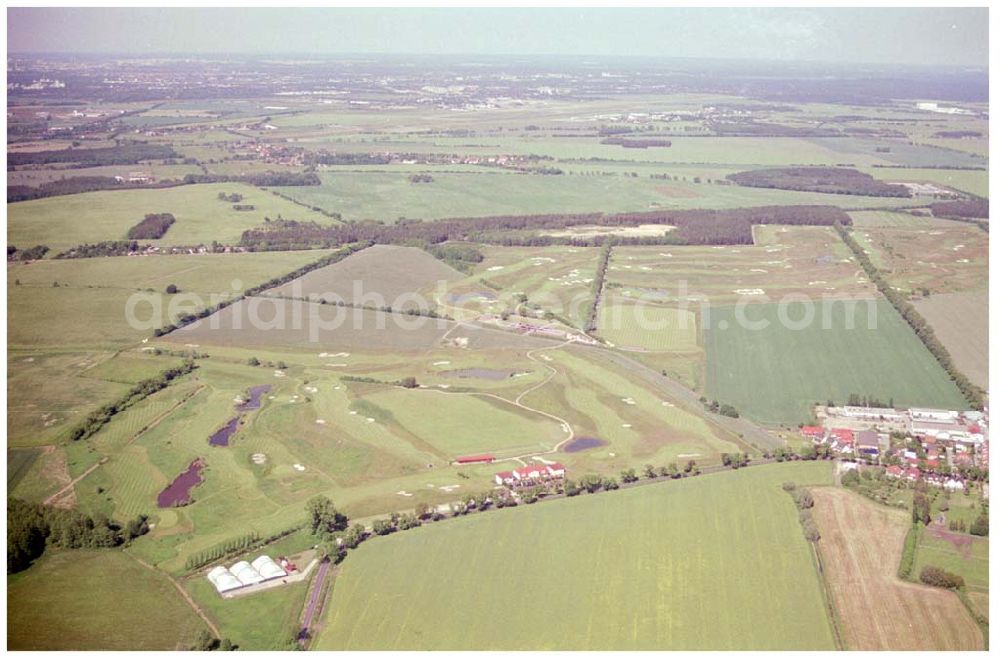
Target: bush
[(935, 576), (981, 526)]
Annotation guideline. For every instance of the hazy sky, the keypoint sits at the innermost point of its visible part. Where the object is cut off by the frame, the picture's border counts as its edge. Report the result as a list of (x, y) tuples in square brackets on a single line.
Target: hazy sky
[(904, 36)]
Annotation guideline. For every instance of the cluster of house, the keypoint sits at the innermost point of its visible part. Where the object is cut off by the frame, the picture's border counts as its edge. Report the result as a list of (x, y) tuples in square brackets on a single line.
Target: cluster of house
[(533, 474), (273, 154), (949, 441)]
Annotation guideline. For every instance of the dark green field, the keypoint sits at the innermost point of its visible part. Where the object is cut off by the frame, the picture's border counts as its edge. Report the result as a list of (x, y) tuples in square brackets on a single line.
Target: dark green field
[(775, 375)]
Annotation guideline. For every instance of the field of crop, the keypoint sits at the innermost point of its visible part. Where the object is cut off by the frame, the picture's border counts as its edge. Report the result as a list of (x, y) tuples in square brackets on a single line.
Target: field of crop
[(961, 321), (633, 581), (776, 373), (378, 276), (939, 259), (809, 261), (67, 221), (860, 545), (96, 600)]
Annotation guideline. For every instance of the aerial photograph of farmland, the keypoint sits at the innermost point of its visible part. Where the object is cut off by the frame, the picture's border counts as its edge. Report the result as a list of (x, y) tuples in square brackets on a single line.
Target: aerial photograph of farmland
[(497, 329)]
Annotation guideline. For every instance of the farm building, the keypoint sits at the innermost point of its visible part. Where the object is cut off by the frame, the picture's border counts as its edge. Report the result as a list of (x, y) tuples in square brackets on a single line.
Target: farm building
[(530, 474), (815, 433), (244, 574), (868, 443), (475, 459)]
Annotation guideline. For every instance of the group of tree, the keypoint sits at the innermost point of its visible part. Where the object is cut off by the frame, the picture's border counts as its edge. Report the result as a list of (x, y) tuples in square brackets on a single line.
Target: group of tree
[(30, 254), (102, 415), (935, 576), (462, 257), (735, 460), (687, 227), (153, 226), (421, 178), (724, 409), (857, 400), (977, 207), (832, 180), (205, 642), (232, 197), (32, 527), (921, 328)]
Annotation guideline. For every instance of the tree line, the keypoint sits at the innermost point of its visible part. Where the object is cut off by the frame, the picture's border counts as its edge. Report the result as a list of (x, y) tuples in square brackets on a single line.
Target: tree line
[(102, 415), (596, 288), (128, 153), (30, 254), (103, 248), (690, 227), (923, 330), (32, 527)]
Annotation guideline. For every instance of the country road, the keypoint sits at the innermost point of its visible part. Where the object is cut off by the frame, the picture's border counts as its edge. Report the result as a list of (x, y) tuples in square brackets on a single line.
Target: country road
[(313, 603)]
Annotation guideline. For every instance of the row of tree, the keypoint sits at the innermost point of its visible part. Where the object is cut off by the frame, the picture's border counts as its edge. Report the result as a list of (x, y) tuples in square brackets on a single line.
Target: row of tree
[(103, 248), (923, 330), (804, 502), (597, 288), (32, 527), (30, 254), (127, 153), (329, 259), (102, 415)]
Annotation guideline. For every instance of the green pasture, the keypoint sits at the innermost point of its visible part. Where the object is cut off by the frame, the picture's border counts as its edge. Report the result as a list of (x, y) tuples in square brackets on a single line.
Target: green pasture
[(775, 374), (267, 620), (970, 561), (66, 221), (96, 600), (715, 562), (649, 327)]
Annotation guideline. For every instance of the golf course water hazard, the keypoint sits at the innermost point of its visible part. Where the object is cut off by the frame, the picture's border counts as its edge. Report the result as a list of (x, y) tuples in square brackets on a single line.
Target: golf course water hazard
[(178, 493), (254, 401), (582, 444), (221, 436)]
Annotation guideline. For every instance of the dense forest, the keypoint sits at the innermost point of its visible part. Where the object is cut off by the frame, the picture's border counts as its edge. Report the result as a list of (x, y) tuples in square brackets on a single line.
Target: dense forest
[(969, 208), (33, 527), (691, 227), (153, 226), (833, 180), (122, 154)]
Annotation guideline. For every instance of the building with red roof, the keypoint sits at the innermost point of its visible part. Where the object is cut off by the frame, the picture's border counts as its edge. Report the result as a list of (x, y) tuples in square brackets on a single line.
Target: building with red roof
[(814, 432)]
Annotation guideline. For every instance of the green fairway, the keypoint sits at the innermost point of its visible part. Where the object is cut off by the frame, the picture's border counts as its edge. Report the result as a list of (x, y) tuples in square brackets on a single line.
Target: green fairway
[(776, 374), (96, 600), (66, 221), (715, 562), (649, 327)]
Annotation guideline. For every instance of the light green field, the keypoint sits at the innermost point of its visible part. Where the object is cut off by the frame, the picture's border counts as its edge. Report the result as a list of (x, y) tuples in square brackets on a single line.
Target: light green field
[(96, 600), (389, 197), (653, 567), (776, 374), (971, 562), (263, 621), (974, 181), (66, 221), (649, 327)]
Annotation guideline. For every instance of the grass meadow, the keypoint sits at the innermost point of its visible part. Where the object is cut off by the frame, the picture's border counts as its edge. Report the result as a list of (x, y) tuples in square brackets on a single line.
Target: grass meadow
[(716, 562), (96, 600)]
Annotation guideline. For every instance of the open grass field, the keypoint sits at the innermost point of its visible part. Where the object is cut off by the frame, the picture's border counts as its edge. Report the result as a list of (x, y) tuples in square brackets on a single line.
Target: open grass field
[(19, 462), (959, 553), (266, 620), (381, 275), (776, 373), (66, 221), (96, 600), (390, 196), (939, 259), (898, 220), (808, 261), (631, 581), (861, 545), (973, 181), (961, 321)]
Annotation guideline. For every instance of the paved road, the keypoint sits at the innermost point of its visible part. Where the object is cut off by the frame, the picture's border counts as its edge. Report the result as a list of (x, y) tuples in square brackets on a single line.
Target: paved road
[(313, 602)]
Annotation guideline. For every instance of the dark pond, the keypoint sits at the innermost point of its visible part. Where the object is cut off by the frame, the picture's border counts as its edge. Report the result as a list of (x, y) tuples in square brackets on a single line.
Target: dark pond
[(254, 402), (481, 373), (178, 493), (221, 436), (582, 444)]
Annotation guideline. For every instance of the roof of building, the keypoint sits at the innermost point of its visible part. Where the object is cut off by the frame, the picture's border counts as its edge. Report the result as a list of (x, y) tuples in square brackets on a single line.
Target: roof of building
[(813, 430), (867, 438)]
